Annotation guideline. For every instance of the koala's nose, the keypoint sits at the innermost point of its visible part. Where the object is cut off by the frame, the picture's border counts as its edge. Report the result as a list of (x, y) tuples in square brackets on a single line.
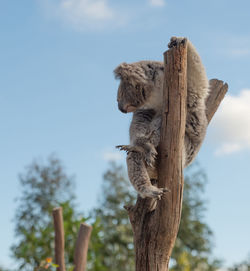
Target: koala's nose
[(120, 106)]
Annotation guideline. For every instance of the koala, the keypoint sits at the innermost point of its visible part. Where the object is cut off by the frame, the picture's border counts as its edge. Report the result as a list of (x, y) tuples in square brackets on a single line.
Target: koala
[(141, 92)]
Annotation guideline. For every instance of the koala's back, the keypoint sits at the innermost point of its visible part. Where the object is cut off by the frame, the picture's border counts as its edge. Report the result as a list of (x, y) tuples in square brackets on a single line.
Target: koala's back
[(196, 118)]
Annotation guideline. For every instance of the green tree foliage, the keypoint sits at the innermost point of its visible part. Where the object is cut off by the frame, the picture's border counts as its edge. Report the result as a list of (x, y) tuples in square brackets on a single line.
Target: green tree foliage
[(43, 187), (193, 246), (117, 252)]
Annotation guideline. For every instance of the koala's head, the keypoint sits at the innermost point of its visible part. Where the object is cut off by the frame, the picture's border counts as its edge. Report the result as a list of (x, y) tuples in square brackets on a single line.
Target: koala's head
[(135, 87)]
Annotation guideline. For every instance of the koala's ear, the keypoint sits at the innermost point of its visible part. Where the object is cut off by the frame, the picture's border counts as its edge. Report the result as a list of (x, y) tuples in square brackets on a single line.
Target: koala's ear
[(121, 72), (132, 72)]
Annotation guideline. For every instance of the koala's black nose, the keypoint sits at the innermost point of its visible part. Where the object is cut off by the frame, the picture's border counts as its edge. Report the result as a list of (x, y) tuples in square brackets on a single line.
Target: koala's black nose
[(121, 108)]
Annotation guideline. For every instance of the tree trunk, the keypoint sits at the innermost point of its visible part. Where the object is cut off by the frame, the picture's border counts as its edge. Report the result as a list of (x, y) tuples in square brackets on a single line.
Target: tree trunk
[(155, 231)]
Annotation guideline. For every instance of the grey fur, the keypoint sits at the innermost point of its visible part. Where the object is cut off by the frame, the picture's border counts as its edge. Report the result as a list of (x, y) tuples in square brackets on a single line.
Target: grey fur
[(140, 92)]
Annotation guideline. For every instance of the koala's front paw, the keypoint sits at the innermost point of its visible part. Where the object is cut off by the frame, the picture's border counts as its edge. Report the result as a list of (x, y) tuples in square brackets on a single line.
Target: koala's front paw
[(153, 192), (175, 40)]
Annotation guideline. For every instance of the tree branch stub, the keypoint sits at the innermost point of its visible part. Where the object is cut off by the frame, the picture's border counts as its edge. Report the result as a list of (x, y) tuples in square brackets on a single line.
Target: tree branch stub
[(218, 90)]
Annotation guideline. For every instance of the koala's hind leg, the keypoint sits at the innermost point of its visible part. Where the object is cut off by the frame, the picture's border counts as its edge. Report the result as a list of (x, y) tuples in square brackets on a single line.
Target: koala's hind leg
[(197, 91), (139, 178), (197, 88)]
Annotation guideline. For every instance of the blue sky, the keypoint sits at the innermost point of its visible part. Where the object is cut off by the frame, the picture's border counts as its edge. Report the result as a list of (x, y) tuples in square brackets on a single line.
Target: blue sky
[(58, 94)]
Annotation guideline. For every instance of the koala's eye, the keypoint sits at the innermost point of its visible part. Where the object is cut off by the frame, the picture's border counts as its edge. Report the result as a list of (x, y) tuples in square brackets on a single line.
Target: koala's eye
[(143, 93), (137, 87)]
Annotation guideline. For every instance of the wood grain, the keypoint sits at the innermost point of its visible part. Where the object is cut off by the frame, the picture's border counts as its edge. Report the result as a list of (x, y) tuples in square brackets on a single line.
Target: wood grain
[(218, 90), (155, 231)]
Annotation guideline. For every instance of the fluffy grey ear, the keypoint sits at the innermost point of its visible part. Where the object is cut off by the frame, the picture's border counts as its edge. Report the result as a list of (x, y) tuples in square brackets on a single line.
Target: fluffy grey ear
[(120, 71), (131, 72)]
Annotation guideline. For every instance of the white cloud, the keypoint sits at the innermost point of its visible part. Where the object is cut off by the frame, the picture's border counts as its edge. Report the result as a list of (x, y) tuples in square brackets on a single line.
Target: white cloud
[(157, 3), (94, 14), (228, 148), (82, 14), (231, 124), (80, 10), (111, 156)]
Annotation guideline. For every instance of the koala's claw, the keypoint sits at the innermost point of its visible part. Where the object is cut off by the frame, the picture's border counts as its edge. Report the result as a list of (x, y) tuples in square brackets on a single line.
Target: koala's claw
[(128, 148), (125, 148), (153, 192), (174, 41)]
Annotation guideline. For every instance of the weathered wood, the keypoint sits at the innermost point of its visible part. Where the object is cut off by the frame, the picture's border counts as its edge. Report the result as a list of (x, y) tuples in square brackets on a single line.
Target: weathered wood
[(81, 249), (155, 232), (170, 170), (59, 238), (218, 90)]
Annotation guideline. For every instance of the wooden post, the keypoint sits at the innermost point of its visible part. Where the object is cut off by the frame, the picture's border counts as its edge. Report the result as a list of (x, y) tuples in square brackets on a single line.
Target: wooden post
[(155, 231), (81, 249), (59, 238), (170, 169)]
